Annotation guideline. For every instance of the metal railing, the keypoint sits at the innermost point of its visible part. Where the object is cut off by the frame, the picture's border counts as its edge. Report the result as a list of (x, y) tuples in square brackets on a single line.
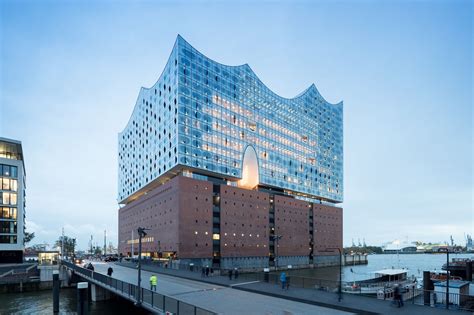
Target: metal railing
[(150, 299), (410, 295)]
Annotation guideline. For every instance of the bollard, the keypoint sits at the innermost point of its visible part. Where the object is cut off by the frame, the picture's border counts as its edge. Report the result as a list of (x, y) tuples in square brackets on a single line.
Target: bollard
[(55, 291), (82, 298), (266, 275), (469, 270), (427, 287)]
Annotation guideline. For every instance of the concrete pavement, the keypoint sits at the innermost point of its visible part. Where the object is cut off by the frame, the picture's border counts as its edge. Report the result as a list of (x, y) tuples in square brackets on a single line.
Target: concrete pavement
[(214, 297), (350, 303)]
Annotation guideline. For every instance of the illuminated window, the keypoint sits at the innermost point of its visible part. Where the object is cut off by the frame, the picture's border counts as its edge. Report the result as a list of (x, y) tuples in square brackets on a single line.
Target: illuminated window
[(252, 126), (216, 237)]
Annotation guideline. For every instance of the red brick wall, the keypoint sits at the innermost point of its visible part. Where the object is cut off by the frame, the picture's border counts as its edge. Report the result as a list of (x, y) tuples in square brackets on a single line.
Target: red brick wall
[(244, 212), (195, 204), (291, 221), (158, 211), (327, 222)]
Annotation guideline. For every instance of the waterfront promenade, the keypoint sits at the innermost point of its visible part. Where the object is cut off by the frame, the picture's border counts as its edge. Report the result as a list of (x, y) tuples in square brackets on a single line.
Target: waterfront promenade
[(327, 300), (221, 299)]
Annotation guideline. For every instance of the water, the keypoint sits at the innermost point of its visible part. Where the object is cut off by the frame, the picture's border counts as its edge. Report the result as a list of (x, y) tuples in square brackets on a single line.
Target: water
[(41, 302), (416, 264)]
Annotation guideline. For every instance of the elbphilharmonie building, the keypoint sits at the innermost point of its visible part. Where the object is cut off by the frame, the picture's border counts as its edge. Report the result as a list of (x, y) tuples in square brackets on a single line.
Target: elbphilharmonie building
[(223, 171)]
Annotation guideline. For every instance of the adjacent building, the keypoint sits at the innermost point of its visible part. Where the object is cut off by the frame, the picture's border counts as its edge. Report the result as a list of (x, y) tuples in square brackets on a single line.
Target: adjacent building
[(12, 201), (223, 171)]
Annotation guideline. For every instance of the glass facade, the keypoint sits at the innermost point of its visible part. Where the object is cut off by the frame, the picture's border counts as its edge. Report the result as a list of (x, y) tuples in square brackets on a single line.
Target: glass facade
[(8, 203), (201, 116)]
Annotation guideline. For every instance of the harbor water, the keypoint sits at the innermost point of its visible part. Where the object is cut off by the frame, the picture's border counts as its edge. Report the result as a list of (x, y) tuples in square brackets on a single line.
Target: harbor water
[(41, 302), (415, 263)]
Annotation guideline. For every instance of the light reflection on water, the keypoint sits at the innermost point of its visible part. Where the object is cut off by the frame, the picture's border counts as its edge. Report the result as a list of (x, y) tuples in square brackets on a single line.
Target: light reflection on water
[(41, 302)]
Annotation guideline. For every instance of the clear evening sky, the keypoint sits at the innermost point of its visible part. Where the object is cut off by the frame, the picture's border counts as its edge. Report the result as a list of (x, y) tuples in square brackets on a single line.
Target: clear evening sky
[(71, 72)]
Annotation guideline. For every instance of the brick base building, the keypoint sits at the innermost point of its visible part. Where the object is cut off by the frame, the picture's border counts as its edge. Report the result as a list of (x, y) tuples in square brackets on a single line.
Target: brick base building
[(208, 222)]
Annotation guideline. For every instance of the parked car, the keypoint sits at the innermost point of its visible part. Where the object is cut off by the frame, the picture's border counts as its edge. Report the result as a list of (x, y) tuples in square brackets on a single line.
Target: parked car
[(111, 258)]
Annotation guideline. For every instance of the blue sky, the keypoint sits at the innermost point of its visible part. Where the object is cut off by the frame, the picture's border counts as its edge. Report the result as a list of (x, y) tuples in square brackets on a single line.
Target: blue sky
[(71, 72)]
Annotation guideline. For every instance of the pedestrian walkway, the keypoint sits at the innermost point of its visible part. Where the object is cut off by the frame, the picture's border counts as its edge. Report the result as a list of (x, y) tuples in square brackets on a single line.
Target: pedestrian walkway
[(215, 298), (350, 303)]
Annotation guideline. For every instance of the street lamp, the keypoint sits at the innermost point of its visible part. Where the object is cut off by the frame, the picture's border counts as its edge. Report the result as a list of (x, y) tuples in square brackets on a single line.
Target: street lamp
[(447, 278), (276, 238), (330, 250), (141, 233)]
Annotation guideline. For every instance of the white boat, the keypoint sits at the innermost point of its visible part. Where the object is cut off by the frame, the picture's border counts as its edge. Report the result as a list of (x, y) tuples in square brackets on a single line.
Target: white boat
[(383, 281)]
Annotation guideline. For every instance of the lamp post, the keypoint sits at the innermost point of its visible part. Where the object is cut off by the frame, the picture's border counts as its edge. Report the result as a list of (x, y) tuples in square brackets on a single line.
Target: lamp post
[(447, 279), (329, 250), (276, 238), (141, 233)]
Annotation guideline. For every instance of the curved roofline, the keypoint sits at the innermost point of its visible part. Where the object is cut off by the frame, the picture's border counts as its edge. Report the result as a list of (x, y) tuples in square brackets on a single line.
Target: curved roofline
[(246, 65), (145, 88)]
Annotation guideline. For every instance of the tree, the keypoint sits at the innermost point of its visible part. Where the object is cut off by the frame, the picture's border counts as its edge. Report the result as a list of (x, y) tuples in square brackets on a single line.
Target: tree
[(28, 237), (69, 245), (111, 250), (97, 250)]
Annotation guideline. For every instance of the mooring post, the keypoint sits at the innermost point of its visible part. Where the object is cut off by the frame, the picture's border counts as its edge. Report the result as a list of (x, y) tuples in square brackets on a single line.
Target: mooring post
[(82, 298), (55, 291)]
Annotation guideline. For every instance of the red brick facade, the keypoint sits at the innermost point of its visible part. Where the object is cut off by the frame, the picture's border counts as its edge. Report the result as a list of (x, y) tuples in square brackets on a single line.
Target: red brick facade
[(244, 222), (292, 222), (180, 217), (327, 222)]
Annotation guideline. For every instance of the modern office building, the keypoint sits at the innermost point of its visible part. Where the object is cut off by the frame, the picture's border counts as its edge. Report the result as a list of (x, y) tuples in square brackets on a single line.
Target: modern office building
[(12, 201), (222, 170)]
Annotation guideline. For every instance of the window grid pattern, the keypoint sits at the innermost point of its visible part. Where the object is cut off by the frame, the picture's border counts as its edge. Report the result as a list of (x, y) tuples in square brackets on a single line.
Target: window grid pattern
[(223, 109)]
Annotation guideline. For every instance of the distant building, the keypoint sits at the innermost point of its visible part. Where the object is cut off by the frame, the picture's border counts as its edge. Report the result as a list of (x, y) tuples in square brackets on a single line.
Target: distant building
[(12, 201), (218, 167), (399, 247)]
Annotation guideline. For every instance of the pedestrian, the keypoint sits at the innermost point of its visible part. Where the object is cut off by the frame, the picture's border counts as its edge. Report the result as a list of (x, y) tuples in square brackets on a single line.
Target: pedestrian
[(283, 280), (110, 271), (287, 283), (212, 271), (207, 271), (203, 272), (398, 296), (153, 281), (435, 299), (230, 274), (236, 273)]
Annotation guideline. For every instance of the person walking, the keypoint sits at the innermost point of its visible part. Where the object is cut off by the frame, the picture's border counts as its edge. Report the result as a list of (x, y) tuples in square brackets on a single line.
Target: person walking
[(230, 274), (207, 271), (110, 271), (153, 281), (398, 296), (283, 280)]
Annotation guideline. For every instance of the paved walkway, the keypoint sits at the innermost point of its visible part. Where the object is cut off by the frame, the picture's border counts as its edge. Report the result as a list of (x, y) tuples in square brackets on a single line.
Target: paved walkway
[(217, 298), (350, 303)]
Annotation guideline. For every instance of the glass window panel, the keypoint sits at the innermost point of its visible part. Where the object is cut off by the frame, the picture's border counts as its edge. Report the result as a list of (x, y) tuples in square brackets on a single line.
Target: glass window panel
[(13, 199), (13, 213), (5, 183), (14, 171), (5, 213), (5, 198), (14, 184), (6, 170)]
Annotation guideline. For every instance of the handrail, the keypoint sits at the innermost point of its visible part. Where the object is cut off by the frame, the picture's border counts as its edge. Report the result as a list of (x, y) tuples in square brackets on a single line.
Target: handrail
[(150, 299)]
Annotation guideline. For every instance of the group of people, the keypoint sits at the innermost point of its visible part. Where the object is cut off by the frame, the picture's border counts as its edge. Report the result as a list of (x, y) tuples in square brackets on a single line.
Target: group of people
[(233, 273), (206, 270)]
